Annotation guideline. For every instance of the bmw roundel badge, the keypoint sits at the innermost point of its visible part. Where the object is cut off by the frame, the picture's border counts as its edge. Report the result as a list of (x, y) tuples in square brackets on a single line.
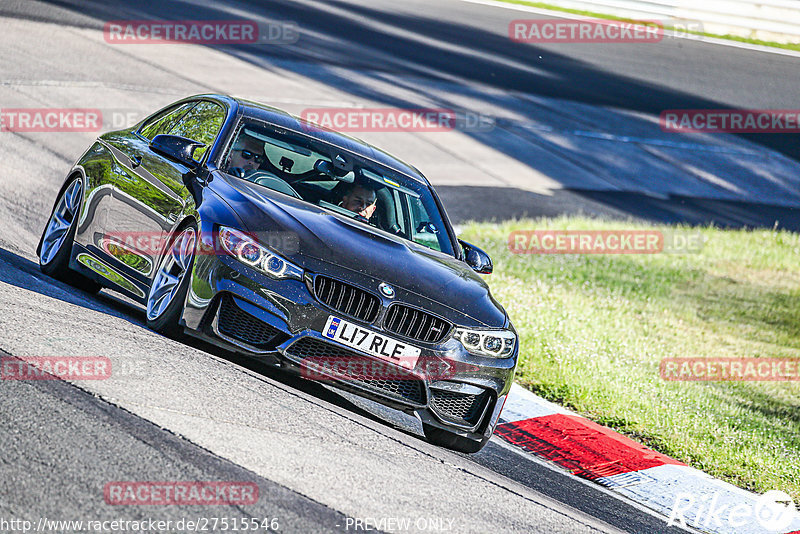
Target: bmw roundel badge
[(386, 290)]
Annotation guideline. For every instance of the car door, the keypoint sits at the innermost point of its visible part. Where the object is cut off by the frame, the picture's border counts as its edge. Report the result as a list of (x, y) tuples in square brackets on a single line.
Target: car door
[(119, 155), (148, 205)]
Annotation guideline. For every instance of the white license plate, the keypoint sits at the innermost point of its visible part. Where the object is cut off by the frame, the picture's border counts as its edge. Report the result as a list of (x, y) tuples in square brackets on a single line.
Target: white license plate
[(372, 343)]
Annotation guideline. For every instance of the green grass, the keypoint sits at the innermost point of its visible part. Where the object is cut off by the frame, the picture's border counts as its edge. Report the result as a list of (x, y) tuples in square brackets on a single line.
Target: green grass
[(593, 329), (592, 14)]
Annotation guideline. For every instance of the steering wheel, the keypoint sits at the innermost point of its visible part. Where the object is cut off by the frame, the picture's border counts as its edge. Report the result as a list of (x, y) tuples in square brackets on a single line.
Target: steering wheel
[(273, 182)]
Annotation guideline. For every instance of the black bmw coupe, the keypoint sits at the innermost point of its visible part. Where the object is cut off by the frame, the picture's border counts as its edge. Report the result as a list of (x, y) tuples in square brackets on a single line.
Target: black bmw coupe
[(267, 235)]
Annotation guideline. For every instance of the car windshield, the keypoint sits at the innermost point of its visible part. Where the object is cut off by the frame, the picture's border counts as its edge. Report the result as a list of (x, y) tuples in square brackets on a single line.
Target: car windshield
[(338, 181)]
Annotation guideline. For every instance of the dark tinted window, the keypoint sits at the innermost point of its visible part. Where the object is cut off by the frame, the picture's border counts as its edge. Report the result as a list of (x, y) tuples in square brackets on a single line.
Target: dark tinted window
[(306, 168), (202, 124), (163, 123)]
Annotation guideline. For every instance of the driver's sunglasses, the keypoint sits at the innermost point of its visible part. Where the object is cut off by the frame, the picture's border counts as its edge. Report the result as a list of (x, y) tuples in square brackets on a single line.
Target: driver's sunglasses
[(246, 154)]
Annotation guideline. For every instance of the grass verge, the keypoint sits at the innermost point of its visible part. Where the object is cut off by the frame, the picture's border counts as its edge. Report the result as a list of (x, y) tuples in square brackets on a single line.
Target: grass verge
[(594, 328), (594, 15)]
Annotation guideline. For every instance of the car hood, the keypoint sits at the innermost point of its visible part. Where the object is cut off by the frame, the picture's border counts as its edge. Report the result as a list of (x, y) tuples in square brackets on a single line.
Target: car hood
[(321, 241)]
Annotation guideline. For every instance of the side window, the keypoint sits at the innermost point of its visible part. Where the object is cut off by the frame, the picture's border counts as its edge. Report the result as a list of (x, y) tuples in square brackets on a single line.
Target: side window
[(423, 231), (202, 124), (164, 123)]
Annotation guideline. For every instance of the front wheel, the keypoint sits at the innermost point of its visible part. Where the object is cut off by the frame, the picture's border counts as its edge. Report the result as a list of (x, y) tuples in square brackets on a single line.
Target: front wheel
[(450, 440), (58, 236), (168, 290)]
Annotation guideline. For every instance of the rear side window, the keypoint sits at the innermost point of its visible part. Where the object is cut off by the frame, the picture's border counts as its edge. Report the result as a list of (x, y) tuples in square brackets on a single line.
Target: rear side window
[(163, 123), (202, 123)]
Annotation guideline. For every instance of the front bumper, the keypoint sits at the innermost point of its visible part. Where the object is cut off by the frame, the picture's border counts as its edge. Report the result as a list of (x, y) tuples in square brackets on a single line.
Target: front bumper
[(282, 322)]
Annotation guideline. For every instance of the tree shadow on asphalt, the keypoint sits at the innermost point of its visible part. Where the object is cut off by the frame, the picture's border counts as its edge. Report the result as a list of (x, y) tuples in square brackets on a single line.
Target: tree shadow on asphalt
[(508, 203), (25, 274), (381, 41)]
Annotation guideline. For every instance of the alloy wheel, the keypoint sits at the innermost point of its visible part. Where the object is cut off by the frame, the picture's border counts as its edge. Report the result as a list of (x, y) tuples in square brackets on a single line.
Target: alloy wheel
[(174, 267), (60, 222)]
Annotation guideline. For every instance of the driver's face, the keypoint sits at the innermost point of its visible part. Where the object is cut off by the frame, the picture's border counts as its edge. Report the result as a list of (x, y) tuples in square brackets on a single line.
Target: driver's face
[(246, 154), (361, 201)]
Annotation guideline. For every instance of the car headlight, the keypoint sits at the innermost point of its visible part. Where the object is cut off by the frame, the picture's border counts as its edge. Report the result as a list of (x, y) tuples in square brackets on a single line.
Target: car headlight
[(247, 250), (491, 343)]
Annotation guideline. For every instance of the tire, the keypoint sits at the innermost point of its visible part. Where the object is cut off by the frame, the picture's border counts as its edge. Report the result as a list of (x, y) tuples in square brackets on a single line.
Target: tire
[(449, 440), (171, 282), (58, 237)]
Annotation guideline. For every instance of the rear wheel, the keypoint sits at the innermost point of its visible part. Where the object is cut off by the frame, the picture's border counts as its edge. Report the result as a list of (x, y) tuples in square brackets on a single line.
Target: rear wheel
[(450, 440), (168, 290), (58, 237)]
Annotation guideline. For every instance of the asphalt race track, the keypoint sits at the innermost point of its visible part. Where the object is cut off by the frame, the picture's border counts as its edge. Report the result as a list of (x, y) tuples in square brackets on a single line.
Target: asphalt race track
[(574, 130)]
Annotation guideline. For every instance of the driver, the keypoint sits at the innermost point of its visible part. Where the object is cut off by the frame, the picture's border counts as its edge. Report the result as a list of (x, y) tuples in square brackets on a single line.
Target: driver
[(246, 156), (359, 197)]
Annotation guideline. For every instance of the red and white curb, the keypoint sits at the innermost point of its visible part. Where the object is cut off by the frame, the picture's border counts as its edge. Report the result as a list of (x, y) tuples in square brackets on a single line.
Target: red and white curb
[(667, 486)]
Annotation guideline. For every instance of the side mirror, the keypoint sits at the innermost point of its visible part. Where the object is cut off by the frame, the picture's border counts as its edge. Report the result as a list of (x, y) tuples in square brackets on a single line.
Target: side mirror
[(176, 148), (476, 258)]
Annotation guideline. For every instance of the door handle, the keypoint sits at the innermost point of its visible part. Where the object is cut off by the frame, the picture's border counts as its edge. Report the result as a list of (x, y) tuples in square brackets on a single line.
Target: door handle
[(136, 160)]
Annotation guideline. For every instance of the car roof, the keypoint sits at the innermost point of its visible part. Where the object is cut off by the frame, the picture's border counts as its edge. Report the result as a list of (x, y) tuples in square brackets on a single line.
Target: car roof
[(281, 118)]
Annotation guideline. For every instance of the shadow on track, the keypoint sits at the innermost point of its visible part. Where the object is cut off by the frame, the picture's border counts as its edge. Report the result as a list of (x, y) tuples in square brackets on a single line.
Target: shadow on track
[(389, 42), (511, 203), (23, 273)]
